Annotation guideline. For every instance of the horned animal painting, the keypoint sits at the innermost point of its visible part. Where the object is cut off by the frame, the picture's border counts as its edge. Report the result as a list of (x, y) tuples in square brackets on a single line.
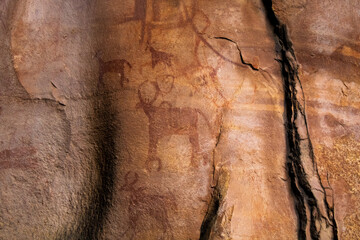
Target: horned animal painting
[(144, 205), (166, 120), (113, 66)]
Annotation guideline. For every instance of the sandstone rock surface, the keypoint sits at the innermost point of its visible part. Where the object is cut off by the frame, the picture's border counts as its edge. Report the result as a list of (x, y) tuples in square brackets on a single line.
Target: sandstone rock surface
[(179, 119)]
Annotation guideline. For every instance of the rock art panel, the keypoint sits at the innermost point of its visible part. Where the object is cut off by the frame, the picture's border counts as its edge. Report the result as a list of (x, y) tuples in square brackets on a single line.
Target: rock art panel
[(188, 104), (179, 119)]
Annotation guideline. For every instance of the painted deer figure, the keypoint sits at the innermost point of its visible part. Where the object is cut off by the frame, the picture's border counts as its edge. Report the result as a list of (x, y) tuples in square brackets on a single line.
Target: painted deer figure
[(144, 205), (113, 66), (165, 120)]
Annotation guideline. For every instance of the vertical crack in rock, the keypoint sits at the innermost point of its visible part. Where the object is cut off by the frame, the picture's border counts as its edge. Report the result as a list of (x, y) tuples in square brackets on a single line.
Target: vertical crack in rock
[(211, 213), (216, 197), (219, 185), (208, 226), (218, 137), (304, 178)]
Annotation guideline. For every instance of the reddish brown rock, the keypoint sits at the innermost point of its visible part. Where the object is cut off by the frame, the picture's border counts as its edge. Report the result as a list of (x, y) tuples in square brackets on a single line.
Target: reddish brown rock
[(179, 119)]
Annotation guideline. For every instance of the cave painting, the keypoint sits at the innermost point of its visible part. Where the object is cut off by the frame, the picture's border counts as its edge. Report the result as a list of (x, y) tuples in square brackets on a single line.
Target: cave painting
[(112, 66), (166, 120), (168, 15), (143, 205), (158, 57), (149, 14), (18, 158), (206, 82), (181, 14)]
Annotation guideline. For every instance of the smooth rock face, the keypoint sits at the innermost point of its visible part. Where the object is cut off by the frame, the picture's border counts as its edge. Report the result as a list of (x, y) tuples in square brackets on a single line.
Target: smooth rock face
[(179, 119)]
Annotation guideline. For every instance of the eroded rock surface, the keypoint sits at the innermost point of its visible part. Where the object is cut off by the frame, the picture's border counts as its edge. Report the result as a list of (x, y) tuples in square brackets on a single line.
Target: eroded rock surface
[(179, 119)]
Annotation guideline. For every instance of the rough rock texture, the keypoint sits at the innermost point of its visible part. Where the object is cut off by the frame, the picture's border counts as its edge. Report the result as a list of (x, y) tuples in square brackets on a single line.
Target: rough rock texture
[(179, 119)]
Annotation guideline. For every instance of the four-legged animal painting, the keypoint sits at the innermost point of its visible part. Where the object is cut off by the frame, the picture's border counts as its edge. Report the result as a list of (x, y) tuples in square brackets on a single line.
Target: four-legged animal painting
[(113, 66), (165, 120), (143, 205)]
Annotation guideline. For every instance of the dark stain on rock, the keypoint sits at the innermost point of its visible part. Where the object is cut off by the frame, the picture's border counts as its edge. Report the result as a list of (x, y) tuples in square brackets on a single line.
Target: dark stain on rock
[(98, 193), (104, 136)]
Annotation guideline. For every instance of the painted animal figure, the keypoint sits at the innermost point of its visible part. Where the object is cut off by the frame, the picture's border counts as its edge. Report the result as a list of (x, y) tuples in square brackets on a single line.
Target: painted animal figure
[(158, 57), (165, 120), (113, 66), (143, 205)]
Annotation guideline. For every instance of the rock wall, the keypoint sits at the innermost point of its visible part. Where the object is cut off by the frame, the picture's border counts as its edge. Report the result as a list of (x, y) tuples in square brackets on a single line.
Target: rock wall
[(179, 119)]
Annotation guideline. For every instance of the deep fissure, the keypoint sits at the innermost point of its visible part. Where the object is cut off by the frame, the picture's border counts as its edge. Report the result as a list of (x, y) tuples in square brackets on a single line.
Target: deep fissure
[(209, 226), (216, 195), (211, 214), (301, 189)]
